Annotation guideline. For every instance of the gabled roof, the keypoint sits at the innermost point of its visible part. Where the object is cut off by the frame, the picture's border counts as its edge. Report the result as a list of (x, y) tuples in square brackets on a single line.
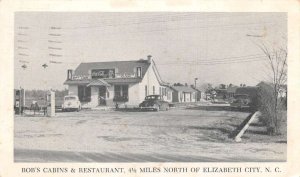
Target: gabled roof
[(183, 89), (199, 89), (161, 82), (122, 66), (98, 82), (78, 82)]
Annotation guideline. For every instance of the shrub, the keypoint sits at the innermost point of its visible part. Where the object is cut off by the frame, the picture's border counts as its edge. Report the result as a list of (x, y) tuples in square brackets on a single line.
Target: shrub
[(271, 107)]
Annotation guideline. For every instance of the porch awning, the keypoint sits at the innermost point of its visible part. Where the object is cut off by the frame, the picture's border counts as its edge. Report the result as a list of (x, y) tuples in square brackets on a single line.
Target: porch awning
[(77, 82), (98, 82)]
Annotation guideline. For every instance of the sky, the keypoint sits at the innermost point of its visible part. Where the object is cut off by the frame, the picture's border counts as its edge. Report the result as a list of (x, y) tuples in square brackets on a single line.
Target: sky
[(216, 48)]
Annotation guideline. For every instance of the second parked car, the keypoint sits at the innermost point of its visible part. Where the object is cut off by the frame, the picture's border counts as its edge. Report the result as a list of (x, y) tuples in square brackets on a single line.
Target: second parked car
[(155, 103)]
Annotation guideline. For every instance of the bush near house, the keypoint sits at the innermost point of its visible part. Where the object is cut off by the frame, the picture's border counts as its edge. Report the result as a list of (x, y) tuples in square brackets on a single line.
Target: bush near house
[(273, 109)]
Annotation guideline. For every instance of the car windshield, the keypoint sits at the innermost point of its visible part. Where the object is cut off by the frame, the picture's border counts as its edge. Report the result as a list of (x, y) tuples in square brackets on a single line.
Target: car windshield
[(152, 97), (70, 98)]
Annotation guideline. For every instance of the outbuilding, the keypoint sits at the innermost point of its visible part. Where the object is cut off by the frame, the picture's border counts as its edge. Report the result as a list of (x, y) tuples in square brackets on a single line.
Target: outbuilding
[(184, 94)]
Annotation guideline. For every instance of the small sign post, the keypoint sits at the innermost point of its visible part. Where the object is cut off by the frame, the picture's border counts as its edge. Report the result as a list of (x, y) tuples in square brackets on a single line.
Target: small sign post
[(51, 103)]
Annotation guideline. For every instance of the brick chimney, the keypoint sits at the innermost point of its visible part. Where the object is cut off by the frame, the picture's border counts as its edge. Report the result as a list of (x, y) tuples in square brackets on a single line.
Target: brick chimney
[(70, 74), (149, 58)]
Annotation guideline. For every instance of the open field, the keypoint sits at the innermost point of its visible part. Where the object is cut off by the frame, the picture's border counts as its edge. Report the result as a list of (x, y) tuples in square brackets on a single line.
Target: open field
[(178, 135)]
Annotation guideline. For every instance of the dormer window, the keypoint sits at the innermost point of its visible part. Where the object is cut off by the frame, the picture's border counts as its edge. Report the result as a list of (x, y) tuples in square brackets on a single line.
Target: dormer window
[(139, 72)]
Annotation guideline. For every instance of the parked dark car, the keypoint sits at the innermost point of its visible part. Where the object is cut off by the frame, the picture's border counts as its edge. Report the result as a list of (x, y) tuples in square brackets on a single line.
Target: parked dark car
[(155, 103)]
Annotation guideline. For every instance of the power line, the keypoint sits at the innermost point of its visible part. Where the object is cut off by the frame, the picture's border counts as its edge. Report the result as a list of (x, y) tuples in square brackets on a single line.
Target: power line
[(215, 62), (231, 26), (142, 20), (236, 59), (229, 58), (162, 19)]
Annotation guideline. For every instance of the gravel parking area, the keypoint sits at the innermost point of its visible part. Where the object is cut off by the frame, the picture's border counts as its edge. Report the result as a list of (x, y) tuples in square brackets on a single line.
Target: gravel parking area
[(178, 135)]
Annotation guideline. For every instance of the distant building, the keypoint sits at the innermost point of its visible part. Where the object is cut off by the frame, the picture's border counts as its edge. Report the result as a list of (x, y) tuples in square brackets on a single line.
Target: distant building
[(231, 91), (183, 94), (251, 91), (200, 93), (220, 93), (116, 82)]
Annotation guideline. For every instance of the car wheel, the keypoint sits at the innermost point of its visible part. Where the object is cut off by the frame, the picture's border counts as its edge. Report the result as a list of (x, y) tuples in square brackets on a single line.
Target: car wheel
[(167, 107), (156, 107)]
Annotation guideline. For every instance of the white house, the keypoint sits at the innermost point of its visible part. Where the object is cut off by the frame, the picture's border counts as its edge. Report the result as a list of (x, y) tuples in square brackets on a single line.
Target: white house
[(116, 82)]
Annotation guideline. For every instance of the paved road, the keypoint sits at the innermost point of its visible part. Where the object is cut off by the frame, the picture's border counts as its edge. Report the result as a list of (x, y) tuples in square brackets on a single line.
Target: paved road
[(26, 155)]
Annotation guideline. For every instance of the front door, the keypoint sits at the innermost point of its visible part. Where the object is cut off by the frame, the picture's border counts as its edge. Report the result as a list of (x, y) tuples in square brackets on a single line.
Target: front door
[(102, 96)]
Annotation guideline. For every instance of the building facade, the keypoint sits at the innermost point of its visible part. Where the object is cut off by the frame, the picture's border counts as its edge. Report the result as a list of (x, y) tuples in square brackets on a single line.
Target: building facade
[(122, 83)]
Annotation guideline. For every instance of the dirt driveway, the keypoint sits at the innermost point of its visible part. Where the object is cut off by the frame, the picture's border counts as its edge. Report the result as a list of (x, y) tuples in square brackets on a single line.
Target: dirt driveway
[(110, 136)]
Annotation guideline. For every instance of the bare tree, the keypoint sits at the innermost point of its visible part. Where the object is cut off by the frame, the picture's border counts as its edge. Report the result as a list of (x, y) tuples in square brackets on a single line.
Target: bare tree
[(272, 106)]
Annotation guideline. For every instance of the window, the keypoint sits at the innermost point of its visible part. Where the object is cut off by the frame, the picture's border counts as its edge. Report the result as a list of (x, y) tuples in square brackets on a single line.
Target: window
[(117, 90), (169, 95), (84, 93), (139, 72), (160, 91), (121, 93), (70, 98), (121, 90), (146, 90), (153, 90), (180, 96)]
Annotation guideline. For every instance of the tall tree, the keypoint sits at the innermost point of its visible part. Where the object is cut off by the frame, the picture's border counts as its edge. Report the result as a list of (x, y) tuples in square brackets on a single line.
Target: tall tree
[(277, 64)]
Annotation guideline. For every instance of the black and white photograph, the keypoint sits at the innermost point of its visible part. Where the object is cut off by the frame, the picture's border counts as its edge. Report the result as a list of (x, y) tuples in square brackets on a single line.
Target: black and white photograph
[(127, 87)]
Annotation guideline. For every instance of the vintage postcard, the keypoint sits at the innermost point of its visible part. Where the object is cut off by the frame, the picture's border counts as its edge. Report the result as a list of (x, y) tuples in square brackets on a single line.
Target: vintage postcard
[(149, 88)]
